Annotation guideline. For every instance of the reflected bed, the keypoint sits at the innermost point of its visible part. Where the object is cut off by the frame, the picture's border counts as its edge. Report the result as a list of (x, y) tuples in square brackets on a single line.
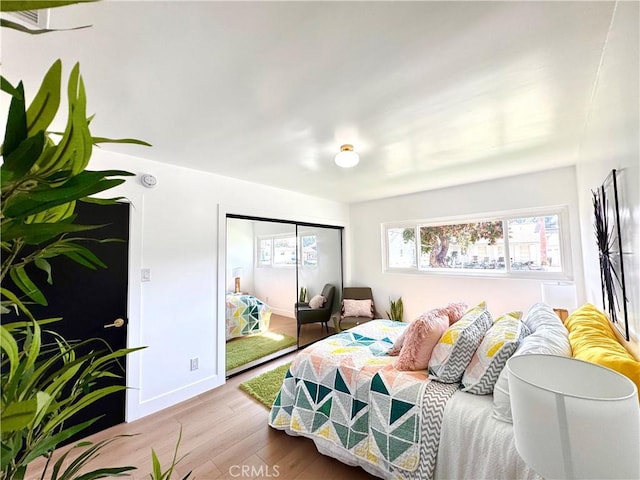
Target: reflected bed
[(245, 315)]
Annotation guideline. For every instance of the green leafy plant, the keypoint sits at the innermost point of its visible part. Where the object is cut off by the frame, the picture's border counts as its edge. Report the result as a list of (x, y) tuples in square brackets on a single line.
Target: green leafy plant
[(396, 309), (43, 385), (42, 177), (303, 295), (158, 474)]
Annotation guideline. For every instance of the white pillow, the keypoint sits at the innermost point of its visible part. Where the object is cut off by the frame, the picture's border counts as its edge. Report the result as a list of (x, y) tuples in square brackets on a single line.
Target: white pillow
[(548, 336), (357, 308), (317, 301)]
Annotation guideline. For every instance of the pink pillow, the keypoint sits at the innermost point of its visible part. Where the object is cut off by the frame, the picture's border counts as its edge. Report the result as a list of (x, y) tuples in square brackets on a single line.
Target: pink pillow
[(453, 311), (421, 336), (357, 308)]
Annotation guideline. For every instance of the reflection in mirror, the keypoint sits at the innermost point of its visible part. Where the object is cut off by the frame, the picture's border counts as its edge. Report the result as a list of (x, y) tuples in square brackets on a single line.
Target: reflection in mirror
[(267, 264)]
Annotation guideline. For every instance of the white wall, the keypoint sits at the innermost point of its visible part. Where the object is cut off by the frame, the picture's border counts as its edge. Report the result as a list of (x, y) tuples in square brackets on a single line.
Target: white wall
[(240, 254), (612, 141), (178, 231), (423, 292)]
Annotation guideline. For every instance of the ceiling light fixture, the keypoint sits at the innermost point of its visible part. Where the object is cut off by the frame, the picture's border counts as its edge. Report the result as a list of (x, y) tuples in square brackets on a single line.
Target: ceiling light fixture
[(347, 157)]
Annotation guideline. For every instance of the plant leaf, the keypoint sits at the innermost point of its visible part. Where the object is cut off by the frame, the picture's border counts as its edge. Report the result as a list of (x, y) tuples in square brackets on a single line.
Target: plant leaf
[(82, 402), (37, 233), (10, 347), (81, 185), (22, 158), (18, 415), (45, 104), (98, 140), (34, 347), (45, 266), (6, 86), (24, 283), (18, 5), (106, 473), (102, 201), (21, 28), (155, 462), (49, 443), (16, 128), (15, 301), (91, 452)]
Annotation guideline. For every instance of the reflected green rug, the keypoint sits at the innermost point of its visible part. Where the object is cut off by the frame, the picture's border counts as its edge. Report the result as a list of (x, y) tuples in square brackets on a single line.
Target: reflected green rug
[(247, 349), (265, 387)]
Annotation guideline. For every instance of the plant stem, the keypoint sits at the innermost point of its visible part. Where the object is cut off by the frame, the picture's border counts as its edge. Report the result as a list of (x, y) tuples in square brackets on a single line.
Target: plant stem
[(8, 262)]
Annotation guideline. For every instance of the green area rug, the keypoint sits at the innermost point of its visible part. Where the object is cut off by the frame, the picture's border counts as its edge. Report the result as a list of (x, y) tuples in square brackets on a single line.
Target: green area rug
[(247, 349), (265, 387)]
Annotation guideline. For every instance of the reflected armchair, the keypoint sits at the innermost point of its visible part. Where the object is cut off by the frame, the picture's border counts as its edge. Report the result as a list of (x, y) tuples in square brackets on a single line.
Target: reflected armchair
[(306, 314), (355, 293)]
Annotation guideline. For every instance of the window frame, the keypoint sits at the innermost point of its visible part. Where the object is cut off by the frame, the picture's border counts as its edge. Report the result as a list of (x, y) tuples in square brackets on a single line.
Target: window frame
[(272, 263), (564, 239)]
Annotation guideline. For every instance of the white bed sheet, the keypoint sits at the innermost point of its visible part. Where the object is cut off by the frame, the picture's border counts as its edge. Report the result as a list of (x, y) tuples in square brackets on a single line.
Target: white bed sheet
[(474, 445)]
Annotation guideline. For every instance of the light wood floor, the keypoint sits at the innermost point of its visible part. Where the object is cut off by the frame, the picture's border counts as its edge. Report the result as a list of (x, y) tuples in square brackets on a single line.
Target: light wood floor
[(223, 431), (309, 333)]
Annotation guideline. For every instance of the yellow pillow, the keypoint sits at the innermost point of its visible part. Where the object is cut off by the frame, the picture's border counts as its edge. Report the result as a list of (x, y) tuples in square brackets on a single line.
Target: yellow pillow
[(592, 340)]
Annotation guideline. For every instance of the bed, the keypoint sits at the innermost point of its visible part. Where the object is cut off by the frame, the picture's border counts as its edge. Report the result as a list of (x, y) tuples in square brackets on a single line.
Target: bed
[(245, 315), (345, 394)]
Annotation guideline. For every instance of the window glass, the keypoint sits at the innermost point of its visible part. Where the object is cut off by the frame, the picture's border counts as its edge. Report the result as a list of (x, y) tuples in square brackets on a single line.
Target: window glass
[(535, 243), (503, 245), (401, 247), (264, 252), (284, 251), (309, 247), (462, 245)]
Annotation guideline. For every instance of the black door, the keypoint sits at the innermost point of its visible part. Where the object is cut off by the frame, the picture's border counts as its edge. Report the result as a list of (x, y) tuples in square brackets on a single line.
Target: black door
[(91, 302)]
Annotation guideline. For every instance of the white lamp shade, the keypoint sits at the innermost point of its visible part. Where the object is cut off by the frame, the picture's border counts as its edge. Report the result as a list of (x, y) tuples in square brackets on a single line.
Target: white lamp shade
[(574, 419), (560, 295), (236, 272)]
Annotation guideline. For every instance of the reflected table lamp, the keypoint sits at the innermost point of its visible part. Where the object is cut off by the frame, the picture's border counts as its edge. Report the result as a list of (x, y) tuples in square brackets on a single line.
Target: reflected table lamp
[(237, 273), (574, 419)]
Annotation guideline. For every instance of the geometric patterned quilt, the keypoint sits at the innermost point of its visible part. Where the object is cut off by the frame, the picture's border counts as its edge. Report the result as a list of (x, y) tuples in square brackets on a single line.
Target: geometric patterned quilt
[(346, 390), (245, 315)]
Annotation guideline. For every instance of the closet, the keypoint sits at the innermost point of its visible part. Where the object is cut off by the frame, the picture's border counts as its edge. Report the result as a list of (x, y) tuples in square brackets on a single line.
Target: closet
[(267, 263)]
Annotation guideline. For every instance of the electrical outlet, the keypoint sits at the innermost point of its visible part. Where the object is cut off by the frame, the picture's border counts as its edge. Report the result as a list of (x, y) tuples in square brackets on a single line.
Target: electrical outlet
[(194, 364)]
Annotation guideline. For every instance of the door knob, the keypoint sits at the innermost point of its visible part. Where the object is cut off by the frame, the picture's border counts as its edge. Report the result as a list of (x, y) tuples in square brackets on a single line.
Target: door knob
[(117, 323)]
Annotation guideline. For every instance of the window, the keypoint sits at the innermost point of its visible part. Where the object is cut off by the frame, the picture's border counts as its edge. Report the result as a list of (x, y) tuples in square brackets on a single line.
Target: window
[(309, 250), (402, 248), (264, 252), (284, 251), (281, 251), (506, 244)]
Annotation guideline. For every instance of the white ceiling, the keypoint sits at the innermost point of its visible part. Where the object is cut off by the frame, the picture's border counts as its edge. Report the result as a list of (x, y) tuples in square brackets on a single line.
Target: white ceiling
[(431, 94)]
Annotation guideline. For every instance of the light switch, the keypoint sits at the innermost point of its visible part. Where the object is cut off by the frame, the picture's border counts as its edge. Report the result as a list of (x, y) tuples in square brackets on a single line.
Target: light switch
[(146, 274)]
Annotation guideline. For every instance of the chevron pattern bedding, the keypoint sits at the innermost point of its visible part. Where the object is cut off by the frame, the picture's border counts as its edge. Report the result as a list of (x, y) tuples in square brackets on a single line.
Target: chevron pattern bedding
[(245, 315), (345, 389)]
